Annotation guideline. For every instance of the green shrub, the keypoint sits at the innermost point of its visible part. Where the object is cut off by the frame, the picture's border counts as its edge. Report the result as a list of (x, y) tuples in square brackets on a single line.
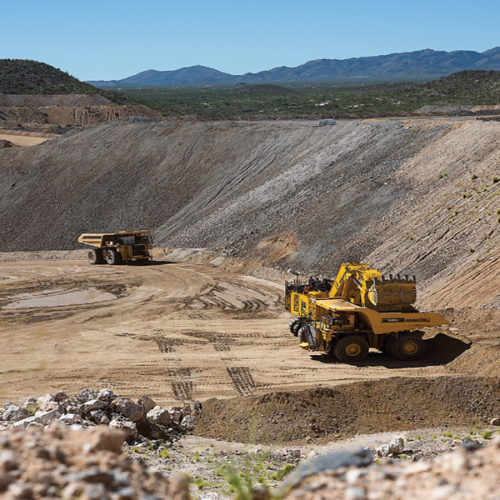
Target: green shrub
[(164, 454), (448, 434), (473, 177), (487, 434), (495, 179)]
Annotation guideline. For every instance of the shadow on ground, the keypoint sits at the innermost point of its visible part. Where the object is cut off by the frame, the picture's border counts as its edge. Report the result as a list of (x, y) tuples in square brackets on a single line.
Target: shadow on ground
[(440, 350)]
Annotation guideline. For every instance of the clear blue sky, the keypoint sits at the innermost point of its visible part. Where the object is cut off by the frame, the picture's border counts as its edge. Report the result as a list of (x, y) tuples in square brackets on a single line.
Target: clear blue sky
[(110, 39)]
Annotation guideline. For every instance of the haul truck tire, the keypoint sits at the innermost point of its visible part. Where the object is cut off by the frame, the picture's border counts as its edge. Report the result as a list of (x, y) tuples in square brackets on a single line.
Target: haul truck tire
[(351, 349), (294, 326), (389, 344), (95, 257), (113, 258), (408, 346)]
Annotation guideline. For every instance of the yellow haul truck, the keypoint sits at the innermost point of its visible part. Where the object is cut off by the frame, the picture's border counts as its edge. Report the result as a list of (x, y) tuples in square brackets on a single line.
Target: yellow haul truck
[(116, 248), (358, 310)]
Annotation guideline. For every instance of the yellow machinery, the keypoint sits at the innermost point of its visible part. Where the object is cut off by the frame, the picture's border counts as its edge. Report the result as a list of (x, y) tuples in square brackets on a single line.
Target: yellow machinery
[(116, 248), (358, 310)]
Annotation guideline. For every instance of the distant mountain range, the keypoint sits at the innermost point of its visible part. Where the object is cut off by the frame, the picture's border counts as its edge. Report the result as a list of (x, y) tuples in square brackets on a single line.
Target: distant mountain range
[(421, 63)]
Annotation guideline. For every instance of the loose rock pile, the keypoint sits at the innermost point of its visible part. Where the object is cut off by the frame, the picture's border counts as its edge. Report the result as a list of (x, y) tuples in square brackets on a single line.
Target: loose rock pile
[(62, 462), (470, 473), (139, 420)]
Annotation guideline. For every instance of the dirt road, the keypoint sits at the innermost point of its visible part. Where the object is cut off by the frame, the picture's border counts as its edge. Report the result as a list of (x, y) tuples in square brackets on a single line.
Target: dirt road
[(20, 140), (170, 330)]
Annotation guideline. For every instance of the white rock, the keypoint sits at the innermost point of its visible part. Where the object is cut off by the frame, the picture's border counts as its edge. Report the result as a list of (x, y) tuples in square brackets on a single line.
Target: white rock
[(397, 445), (45, 417), (15, 413), (312, 454), (159, 416), (383, 451), (70, 419), (195, 408), (129, 427), (45, 399), (92, 404), (189, 422), (495, 421), (48, 406)]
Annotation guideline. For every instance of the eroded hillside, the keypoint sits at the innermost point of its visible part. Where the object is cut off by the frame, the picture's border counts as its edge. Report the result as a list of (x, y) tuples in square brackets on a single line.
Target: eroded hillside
[(415, 197)]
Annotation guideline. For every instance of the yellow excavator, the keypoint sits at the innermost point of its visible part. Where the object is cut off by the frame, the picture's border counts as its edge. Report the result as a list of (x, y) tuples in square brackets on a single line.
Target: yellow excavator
[(358, 310)]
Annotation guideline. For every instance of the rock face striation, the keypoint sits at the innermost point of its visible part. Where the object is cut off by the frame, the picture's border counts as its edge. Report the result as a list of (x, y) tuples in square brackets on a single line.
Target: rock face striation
[(137, 421)]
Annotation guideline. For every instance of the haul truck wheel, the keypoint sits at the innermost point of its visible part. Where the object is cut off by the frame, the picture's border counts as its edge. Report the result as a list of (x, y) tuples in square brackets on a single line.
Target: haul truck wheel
[(294, 326), (389, 344), (95, 257), (408, 346), (351, 348), (113, 258)]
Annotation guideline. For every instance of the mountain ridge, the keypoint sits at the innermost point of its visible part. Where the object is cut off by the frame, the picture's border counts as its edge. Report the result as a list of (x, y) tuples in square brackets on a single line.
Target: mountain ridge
[(422, 63)]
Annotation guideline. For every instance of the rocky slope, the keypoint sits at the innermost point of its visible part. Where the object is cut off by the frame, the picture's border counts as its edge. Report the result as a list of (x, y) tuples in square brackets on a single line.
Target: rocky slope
[(417, 197)]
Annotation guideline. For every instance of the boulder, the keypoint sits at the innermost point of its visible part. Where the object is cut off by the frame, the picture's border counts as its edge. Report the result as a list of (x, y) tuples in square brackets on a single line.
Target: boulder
[(160, 416), (104, 438), (383, 451), (195, 408), (105, 395), (129, 409), (129, 428), (70, 419), (45, 399), (86, 395), (147, 402), (149, 429), (45, 417), (48, 406), (189, 422), (100, 417), (356, 457), (495, 421), (175, 415), (73, 409), (15, 413), (93, 404), (397, 445), (30, 402), (60, 397)]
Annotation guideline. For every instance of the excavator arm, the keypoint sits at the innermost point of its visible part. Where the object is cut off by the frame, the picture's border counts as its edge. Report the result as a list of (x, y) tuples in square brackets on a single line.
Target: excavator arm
[(353, 283)]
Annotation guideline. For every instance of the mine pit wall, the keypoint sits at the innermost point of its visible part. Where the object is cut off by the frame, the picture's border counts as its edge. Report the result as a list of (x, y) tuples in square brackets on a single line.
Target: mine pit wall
[(70, 115), (292, 195)]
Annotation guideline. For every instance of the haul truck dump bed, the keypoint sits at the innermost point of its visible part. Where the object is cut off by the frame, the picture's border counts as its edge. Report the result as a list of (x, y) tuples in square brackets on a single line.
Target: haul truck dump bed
[(116, 248), (358, 310)]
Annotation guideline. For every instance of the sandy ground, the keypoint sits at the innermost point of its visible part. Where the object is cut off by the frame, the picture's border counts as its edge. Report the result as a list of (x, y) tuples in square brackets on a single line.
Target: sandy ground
[(170, 330), (22, 140)]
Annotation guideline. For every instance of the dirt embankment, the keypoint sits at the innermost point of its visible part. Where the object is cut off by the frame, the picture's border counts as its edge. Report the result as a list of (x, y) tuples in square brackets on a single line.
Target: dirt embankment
[(396, 404), (69, 115)]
